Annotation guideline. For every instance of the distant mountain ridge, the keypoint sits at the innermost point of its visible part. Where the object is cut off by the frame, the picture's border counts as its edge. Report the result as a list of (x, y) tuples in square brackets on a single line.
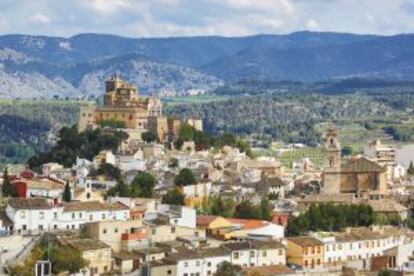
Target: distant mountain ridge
[(42, 66)]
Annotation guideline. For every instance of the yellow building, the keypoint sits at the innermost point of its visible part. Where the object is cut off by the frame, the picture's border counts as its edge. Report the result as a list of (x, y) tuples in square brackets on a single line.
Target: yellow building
[(112, 232), (356, 175), (305, 251), (97, 253), (122, 102)]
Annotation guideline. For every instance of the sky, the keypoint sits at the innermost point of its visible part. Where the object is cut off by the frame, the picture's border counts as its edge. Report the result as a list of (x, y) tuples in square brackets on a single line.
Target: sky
[(165, 18)]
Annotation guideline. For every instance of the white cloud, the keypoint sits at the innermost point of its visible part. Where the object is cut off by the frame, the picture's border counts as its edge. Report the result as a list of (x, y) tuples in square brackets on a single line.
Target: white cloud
[(204, 17), (106, 7), (38, 18), (312, 24), (263, 5)]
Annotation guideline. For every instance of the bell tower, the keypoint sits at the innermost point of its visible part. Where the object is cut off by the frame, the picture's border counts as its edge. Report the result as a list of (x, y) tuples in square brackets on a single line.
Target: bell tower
[(332, 163)]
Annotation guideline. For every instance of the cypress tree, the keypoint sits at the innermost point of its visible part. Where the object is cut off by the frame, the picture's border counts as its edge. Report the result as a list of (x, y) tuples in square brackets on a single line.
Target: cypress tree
[(67, 195), (6, 189), (410, 170)]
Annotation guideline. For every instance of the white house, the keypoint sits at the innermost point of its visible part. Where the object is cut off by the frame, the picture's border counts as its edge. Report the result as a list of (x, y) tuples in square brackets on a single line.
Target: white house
[(270, 230), (360, 243), (177, 215), (256, 253), (39, 214), (31, 214)]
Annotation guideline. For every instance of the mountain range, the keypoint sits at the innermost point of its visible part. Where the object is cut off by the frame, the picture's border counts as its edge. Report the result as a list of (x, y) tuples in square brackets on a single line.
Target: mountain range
[(42, 66)]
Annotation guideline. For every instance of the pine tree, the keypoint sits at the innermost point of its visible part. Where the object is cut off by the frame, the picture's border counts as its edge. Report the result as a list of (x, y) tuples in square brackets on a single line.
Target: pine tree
[(6, 189), (67, 195)]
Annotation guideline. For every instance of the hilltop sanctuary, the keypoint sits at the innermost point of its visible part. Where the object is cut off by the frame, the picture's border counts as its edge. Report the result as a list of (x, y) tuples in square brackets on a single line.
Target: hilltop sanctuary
[(123, 103)]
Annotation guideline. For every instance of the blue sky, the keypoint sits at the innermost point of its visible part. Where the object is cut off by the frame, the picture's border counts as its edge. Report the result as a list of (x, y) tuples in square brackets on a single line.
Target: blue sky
[(160, 18)]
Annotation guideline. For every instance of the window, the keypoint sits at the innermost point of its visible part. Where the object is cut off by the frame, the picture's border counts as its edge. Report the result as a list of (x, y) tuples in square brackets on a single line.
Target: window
[(55, 226), (80, 215), (264, 253), (236, 255), (280, 252), (153, 232), (73, 215), (197, 263), (305, 251), (40, 227), (306, 263), (73, 226), (185, 264), (116, 230), (169, 272), (318, 261), (55, 215), (90, 217), (103, 216), (209, 264), (172, 230), (41, 215), (318, 249), (22, 214), (251, 253), (104, 231)]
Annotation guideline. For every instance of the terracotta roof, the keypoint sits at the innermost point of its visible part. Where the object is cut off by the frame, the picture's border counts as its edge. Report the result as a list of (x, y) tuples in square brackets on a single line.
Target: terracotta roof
[(358, 234), (205, 220), (92, 206), (362, 164), (125, 255), (86, 244), (183, 255), (248, 223), (29, 203), (213, 251), (386, 205), (306, 241), (268, 270), (42, 183)]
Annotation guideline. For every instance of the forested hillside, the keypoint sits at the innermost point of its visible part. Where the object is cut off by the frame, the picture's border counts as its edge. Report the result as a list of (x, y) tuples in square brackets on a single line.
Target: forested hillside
[(27, 127)]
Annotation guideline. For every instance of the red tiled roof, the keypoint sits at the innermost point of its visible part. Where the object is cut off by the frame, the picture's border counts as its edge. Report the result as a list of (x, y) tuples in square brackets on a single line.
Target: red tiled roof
[(205, 220), (248, 223)]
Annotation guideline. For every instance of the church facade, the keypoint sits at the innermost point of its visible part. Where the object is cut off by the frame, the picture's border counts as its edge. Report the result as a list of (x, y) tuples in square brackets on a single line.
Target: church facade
[(357, 175)]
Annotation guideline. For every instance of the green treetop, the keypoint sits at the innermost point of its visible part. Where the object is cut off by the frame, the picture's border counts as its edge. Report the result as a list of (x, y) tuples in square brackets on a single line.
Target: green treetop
[(185, 177)]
